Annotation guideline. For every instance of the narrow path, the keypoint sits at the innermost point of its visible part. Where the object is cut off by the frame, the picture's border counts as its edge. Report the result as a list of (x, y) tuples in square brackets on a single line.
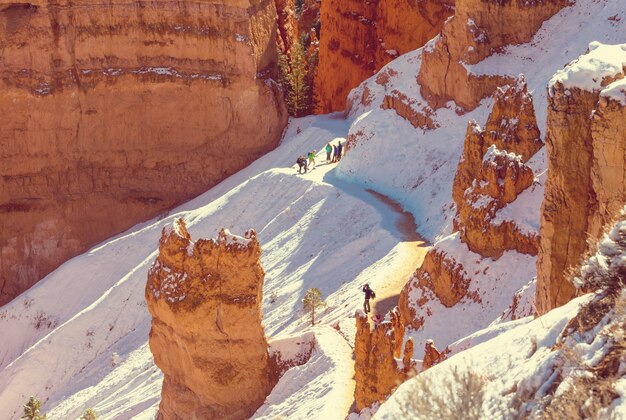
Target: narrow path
[(411, 248)]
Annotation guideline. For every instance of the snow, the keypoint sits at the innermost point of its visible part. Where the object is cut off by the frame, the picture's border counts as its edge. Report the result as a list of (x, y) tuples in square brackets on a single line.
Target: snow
[(616, 91), (78, 338), (589, 71)]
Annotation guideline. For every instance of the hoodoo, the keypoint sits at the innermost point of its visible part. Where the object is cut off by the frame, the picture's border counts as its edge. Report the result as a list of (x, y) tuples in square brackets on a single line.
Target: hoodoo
[(114, 112), (207, 338)]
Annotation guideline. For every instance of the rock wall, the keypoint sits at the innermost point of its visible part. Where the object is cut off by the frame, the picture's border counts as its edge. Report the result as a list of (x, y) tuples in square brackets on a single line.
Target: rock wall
[(477, 29), (586, 140), (114, 112), (205, 299), (358, 38), (377, 367)]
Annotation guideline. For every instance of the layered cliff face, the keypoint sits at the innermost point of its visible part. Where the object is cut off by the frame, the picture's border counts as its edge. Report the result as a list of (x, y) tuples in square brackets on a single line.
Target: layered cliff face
[(358, 38), (586, 139), (378, 369), (206, 336), (477, 29), (113, 113)]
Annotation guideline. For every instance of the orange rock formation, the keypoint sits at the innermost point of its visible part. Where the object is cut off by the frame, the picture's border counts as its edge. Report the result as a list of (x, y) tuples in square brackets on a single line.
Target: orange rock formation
[(287, 26), (206, 336), (359, 37), (378, 369), (586, 140), (478, 28), (114, 112), (432, 356)]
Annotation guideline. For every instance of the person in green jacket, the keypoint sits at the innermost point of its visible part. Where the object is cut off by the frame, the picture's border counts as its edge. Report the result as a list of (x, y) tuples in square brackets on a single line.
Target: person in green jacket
[(312, 159), (329, 152)]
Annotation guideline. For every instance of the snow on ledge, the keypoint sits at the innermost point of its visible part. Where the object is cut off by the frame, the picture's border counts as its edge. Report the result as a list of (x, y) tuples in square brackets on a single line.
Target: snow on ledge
[(588, 71), (616, 91)]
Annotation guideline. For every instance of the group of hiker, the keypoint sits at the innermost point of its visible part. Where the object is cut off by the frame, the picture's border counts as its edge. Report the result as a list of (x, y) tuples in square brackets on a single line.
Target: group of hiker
[(307, 162)]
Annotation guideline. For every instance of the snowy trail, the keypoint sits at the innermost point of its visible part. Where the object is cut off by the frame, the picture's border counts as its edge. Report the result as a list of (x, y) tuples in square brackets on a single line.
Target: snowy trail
[(411, 248)]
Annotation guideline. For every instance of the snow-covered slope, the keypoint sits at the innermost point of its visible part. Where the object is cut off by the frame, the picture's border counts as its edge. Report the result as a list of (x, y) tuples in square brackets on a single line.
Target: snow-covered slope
[(78, 339)]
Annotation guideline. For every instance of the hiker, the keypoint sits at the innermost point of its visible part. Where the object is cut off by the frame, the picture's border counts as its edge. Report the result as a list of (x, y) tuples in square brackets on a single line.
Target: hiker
[(335, 153), (339, 150), (312, 159), (329, 150), (369, 294), (301, 161)]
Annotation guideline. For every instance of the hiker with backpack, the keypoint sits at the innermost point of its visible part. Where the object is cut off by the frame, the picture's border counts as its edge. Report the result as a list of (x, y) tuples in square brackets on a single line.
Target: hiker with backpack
[(301, 161), (369, 294), (335, 153), (312, 159), (339, 150), (329, 151)]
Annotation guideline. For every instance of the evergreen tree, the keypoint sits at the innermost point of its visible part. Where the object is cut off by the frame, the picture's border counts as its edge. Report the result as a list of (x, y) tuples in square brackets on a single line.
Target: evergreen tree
[(312, 301), (31, 410), (299, 95), (89, 414)]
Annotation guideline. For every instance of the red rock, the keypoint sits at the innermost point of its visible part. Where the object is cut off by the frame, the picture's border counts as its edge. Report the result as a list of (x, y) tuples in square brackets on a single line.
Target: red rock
[(358, 38), (113, 114), (205, 300), (477, 29), (377, 368), (586, 142)]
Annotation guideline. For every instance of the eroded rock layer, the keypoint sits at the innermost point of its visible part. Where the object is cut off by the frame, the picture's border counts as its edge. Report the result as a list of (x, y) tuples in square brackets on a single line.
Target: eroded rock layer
[(492, 173), (359, 37), (477, 29), (113, 112), (205, 299), (378, 369), (586, 140)]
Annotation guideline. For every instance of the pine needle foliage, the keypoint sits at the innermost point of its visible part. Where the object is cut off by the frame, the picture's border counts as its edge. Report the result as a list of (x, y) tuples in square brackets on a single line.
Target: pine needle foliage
[(312, 301), (32, 410)]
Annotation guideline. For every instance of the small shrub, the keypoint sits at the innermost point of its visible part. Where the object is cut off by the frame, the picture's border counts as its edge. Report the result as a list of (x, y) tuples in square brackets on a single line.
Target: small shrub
[(458, 396), (32, 410), (89, 414)]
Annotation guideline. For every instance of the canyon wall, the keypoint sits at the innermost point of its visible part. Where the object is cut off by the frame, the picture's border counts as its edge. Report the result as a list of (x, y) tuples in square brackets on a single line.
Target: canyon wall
[(114, 112), (586, 186), (377, 364), (477, 29), (358, 38), (205, 299)]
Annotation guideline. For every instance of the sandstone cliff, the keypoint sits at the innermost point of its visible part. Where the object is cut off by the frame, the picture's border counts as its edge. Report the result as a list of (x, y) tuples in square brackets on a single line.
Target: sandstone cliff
[(206, 336), (477, 29), (377, 367), (586, 140), (115, 112), (358, 38)]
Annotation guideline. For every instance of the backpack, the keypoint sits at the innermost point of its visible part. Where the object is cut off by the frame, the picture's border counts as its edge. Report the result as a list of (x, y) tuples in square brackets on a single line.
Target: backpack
[(373, 295)]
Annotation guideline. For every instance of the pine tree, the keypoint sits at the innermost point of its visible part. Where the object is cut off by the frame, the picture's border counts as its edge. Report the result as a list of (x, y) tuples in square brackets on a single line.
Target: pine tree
[(31, 410), (89, 414), (312, 301), (299, 96)]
